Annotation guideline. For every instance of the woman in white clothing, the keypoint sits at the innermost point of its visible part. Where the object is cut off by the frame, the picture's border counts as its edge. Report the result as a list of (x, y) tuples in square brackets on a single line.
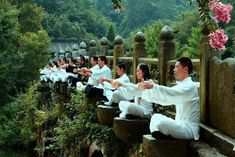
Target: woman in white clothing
[(140, 107), (108, 85)]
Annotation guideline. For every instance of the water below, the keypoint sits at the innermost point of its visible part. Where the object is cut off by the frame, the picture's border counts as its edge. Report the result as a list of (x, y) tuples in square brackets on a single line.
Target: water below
[(13, 152)]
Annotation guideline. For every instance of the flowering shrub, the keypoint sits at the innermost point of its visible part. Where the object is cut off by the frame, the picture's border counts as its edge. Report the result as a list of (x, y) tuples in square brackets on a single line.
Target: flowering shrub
[(218, 39), (222, 14), (222, 11)]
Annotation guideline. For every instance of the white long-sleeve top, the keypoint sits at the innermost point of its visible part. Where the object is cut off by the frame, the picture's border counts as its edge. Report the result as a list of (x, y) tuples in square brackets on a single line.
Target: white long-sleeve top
[(107, 87), (184, 96), (91, 80), (133, 92), (101, 72)]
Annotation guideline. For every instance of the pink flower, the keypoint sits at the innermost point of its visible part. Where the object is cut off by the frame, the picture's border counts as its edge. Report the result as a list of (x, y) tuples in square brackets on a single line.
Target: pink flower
[(218, 39), (222, 11)]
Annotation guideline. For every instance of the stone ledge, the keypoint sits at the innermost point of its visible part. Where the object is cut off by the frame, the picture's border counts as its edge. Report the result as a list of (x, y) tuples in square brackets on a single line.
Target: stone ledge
[(215, 138), (164, 148), (202, 149), (130, 130), (106, 114)]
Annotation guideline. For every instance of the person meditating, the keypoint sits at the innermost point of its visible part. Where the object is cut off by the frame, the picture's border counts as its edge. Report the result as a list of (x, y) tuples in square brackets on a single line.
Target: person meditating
[(184, 96), (140, 108)]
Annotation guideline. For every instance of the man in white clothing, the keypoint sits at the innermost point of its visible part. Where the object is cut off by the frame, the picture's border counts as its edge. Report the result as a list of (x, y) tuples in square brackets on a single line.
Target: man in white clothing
[(184, 96), (87, 72), (104, 71)]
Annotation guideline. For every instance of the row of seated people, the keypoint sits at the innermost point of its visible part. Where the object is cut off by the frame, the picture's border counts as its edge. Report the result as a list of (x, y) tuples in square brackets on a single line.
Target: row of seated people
[(184, 96), (64, 70)]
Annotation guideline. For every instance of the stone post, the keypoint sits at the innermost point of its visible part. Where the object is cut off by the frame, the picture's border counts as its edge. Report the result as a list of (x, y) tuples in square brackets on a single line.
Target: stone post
[(75, 51), (139, 51), (205, 54), (166, 52), (82, 50), (62, 53), (92, 48), (118, 51), (68, 53), (104, 46)]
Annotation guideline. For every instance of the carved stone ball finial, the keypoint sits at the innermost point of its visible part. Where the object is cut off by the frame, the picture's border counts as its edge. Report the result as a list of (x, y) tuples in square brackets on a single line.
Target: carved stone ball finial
[(139, 37), (67, 49), (61, 51), (118, 40), (82, 45), (104, 41), (166, 34), (92, 43), (75, 47)]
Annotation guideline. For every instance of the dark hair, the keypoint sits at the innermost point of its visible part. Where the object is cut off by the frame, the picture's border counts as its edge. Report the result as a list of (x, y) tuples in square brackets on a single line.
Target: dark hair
[(50, 64), (186, 62), (121, 65), (64, 59), (56, 64), (103, 58), (145, 69), (72, 60), (82, 58), (95, 58)]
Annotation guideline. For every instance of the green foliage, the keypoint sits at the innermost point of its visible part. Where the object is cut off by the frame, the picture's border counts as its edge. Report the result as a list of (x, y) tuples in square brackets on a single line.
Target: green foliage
[(77, 125), (9, 126), (193, 46), (184, 25), (30, 18), (9, 30), (152, 33), (111, 33), (20, 49), (34, 50), (73, 19), (141, 13)]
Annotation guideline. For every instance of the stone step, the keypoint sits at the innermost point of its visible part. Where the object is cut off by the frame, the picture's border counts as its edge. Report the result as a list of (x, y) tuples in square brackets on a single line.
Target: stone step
[(215, 138), (130, 130), (106, 114), (202, 149), (177, 148), (164, 148)]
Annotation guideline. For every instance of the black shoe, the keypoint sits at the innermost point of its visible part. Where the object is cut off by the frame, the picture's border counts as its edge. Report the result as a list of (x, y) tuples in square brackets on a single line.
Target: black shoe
[(114, 104), (131, 116), (117, 113), (159, 135), (102, 102)]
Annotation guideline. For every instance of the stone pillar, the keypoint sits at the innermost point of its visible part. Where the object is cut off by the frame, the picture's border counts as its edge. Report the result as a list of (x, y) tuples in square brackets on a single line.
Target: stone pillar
[(75, 51), (139, 51), (104, 46), (118, 51), (82, 50), (206, 53), (61, 53), (68, 53), (92, 48), (166, 52)]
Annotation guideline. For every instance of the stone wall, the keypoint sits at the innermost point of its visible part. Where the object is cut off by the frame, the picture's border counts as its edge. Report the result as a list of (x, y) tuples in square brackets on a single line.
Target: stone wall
[(221, 107)]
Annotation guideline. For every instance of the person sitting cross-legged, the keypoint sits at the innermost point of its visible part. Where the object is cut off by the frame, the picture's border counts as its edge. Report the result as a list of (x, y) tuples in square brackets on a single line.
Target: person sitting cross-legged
[(184, 96), (140, 108), (108, 85), (103, 71)]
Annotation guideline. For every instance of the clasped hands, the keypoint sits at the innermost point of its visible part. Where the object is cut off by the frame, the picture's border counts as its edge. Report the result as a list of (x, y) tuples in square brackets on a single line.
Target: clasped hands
[(145, 85)]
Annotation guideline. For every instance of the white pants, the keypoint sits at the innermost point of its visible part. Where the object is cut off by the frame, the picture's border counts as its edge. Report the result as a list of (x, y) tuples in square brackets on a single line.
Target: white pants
[(169, 126), (134, 109)]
